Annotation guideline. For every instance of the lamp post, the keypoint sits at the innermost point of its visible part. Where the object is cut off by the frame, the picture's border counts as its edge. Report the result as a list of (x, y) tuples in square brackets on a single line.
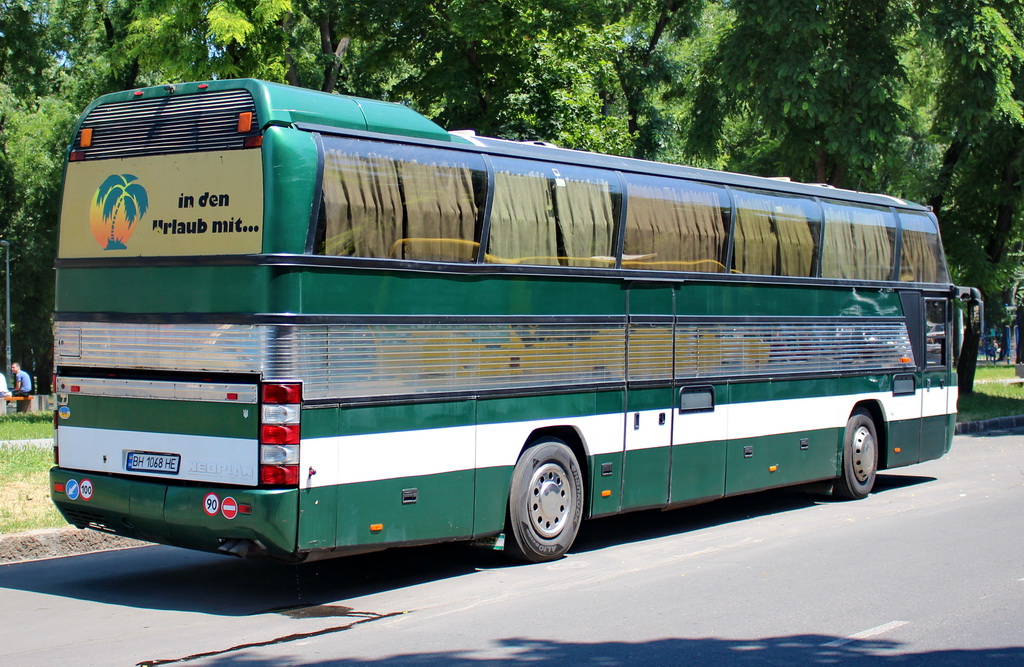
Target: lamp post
[(7, 307)]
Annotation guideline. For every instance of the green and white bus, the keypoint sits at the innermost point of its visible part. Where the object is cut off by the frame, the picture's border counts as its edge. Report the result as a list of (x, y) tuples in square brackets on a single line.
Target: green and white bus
[(297, 325)]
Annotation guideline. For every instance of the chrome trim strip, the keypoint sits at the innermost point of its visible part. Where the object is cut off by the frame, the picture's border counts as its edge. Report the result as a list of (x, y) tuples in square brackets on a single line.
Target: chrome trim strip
[(353, 361), (174, 391)]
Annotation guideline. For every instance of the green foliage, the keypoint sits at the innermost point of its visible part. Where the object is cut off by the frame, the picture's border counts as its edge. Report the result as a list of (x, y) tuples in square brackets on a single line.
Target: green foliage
[(918, 98), (189, 40), (819, 83), (978, 188)]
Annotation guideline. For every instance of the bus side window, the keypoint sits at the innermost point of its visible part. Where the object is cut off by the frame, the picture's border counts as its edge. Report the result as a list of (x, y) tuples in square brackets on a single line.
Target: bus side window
[(400, 202), (674, 225), (774, 234), (552, 215), (859, 242), (921, 259)]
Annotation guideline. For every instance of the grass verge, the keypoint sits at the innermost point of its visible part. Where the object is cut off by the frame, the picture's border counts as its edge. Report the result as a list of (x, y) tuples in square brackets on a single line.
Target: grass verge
[(26, 426), (993, 396), (24, 494), (24, 490)]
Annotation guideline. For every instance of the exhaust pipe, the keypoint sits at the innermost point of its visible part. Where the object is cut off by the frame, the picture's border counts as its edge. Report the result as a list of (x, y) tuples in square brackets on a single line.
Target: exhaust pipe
[(241, 547)]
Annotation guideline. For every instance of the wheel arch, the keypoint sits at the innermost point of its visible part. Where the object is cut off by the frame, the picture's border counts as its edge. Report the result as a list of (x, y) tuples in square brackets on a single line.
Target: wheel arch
[(877, 414)]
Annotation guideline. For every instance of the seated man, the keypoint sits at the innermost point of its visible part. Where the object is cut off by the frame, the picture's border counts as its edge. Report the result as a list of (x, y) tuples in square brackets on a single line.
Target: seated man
[(22, 385)]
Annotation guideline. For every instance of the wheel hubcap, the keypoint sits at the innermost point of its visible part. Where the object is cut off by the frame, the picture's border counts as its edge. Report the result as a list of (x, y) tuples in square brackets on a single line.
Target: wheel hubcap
[(550, 500), (863, 454)]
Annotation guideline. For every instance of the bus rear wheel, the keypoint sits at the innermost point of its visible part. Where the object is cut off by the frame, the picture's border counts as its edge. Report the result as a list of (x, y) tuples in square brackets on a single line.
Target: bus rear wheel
[(860, 457), (545, 505)]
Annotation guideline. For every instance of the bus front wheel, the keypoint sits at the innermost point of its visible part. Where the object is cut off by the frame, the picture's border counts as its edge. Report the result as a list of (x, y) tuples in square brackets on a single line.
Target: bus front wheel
[(860, 457), (545, 504)]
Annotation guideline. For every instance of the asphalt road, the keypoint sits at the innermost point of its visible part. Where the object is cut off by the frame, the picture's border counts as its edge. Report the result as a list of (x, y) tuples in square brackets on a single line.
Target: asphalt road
[(927, 570)]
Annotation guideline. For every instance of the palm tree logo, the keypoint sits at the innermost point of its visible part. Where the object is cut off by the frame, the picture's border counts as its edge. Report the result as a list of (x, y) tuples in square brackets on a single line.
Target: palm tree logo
[(119, 203)]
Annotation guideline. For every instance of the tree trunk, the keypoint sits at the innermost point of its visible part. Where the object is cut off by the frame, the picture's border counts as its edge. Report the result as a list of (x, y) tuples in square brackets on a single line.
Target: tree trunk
[(334, 52), (968, 362), (291, 74), (1020, 331)]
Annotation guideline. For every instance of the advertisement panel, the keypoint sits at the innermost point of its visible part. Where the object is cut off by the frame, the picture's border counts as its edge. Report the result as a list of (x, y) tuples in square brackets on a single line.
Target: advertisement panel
[(165, 205)]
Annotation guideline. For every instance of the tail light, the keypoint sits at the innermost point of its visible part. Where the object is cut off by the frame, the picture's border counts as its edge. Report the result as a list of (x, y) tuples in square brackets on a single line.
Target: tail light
[(280, 412)]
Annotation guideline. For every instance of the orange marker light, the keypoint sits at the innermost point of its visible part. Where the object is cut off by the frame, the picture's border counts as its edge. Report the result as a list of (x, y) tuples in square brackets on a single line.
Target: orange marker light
[(904, 360), (376, 527), (86, 140), (897, 450), (772, 468), (245, 121), (606, 493)]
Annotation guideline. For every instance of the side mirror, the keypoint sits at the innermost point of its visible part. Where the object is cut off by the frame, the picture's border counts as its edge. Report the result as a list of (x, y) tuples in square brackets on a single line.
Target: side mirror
[(975, 312)]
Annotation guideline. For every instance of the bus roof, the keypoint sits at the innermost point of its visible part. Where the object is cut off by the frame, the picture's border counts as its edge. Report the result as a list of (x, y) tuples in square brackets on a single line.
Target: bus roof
[(278, 104), (544, 151)]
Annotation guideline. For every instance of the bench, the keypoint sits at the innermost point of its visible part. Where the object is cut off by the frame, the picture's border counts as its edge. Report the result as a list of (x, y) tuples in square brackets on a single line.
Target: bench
[(23, 406)]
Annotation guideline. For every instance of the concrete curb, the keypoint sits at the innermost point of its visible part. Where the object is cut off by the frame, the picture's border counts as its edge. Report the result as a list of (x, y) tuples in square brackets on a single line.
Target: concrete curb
[(985, 425)]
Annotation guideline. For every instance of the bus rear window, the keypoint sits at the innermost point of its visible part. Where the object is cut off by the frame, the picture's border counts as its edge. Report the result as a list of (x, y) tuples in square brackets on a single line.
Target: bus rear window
[(390, 201)]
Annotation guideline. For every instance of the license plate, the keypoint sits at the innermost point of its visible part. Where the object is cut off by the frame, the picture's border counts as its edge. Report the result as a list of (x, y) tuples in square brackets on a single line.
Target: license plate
[(166, 464)]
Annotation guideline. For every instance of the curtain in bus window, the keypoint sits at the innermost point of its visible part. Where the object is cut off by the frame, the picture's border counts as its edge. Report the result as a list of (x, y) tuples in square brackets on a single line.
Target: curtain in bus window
[(586, 220), (797, 222), (363, 204), (858, 243), (673, 225), (921, 259), (440, 212), (522, 220), (755, 244)]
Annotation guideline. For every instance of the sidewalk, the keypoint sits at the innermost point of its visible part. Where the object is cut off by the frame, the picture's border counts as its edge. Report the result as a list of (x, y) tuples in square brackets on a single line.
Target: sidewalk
[(67, 541)]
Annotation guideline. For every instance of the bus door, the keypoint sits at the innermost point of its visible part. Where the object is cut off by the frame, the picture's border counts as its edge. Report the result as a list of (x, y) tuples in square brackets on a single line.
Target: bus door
[(699, 442), (935, 380), (650, 395), (918, 416)]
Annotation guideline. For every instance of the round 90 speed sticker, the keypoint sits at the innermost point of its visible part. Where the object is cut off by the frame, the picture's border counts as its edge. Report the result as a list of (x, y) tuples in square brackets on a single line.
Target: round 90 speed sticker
[(211, 504)]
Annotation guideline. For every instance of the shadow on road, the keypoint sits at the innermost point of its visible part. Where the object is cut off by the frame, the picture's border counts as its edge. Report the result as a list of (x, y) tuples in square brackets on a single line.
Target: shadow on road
[(167, 578), (790, 650)]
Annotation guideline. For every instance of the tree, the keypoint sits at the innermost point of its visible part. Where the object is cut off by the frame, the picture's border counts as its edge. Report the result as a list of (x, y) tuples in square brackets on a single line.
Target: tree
[(978, 190), (817, 82), (186, 40)]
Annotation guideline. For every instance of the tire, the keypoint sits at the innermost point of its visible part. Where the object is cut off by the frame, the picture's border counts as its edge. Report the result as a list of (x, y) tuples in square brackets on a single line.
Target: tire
[(860, 457), (545, 505)]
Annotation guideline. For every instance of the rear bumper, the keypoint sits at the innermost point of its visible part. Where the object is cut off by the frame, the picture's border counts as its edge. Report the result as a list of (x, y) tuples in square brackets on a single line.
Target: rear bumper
[(201, 517)]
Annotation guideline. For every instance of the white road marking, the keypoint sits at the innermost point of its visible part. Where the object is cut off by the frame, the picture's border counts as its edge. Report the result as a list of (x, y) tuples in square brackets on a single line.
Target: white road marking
[(878, 630)]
